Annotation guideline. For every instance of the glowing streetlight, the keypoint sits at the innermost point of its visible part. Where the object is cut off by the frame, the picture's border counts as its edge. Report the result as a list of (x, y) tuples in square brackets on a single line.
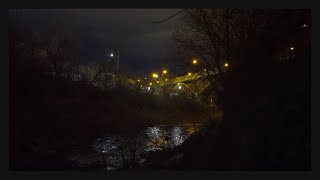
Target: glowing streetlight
[(113, 55), (150, 84), (291, 48), (189, 74), (138, 80), (164, 71), (194, 61), (226, 64), (179, 87), (166, 79), (158, 82), (155, 75)]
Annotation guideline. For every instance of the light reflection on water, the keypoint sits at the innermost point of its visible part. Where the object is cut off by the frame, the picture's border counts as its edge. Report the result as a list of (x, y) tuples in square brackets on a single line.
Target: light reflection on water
[(162, 137), (119, 150)]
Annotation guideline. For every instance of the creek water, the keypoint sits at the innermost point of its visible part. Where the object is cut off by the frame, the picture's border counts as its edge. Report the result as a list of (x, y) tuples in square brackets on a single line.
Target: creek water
[(113, 152)]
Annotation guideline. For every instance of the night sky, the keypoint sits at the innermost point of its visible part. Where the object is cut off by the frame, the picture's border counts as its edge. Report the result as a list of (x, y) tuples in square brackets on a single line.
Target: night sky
[(143, 46)]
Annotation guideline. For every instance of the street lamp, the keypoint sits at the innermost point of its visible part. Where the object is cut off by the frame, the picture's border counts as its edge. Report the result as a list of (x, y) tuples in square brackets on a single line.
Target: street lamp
[(194, 61), (164, 71), (112, 54), (155, 75), (226, 64), (291, 54), (189, 74)]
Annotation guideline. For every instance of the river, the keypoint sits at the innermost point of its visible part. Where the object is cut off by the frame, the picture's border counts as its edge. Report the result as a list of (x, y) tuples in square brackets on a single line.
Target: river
[(114, 152)]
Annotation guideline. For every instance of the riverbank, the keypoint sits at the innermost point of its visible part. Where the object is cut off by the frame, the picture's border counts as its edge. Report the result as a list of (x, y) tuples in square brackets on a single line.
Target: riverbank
[(51, 115)]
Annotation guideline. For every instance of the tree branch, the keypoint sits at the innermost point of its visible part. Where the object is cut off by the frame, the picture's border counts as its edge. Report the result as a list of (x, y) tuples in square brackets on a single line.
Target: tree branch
[(170, 16)]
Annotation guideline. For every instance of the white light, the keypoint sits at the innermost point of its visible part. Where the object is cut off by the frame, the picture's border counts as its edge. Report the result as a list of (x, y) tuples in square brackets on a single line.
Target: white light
[(148, 88), (111, 54), (179, 87)]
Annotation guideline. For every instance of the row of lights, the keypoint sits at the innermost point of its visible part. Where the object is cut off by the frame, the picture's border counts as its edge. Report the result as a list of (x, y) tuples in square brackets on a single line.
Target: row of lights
[(189, 74), (226, 63), (194, 61), (164, 72)]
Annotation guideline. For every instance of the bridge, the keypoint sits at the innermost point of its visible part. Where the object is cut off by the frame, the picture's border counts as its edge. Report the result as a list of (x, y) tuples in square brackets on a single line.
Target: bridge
[(194, 83)]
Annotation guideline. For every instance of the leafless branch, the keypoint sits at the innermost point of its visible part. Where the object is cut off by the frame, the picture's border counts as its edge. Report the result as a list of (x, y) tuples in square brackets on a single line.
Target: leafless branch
[(170, 16)]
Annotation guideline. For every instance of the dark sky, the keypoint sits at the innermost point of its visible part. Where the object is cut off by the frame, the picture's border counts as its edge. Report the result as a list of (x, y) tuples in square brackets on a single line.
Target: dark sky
[(143, 46)]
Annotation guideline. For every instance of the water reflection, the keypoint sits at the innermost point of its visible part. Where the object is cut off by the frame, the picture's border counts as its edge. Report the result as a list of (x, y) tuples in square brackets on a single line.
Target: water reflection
[(163, 137), (124, 152)]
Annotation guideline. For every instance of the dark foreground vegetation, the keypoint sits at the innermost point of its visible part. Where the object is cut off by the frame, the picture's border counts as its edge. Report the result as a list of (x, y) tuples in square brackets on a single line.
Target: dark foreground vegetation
[(266, 104), (49, 114)]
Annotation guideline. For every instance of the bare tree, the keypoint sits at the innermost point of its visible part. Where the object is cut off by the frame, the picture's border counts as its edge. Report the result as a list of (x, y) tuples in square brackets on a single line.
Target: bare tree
[(91, 72), (60, 52), (213, 36)]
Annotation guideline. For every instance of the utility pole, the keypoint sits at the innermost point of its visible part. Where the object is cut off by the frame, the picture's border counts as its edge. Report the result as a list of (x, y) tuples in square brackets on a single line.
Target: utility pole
[(118, 59), (113, 55)]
